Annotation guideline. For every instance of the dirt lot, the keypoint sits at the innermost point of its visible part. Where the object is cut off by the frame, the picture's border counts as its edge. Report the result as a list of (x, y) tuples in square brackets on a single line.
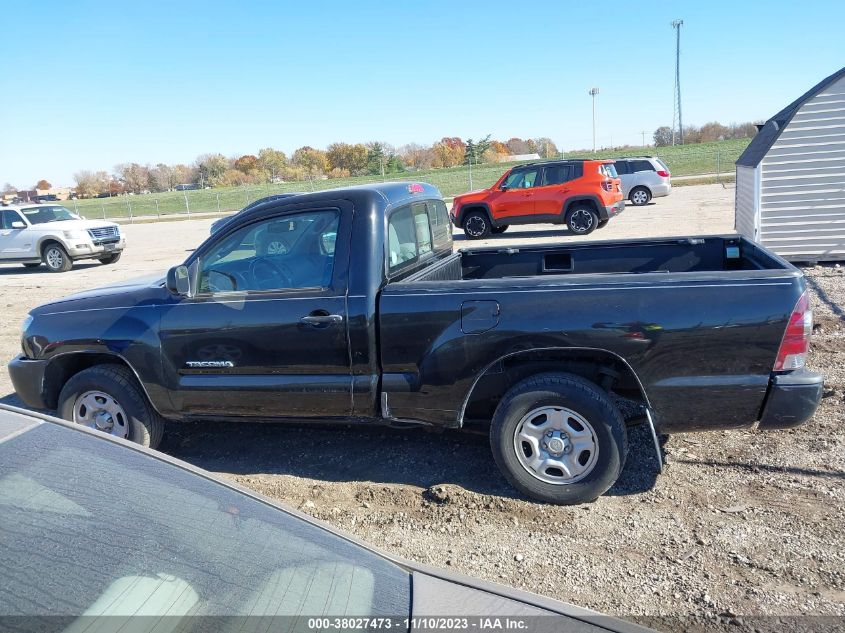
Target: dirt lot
[(740, 523)]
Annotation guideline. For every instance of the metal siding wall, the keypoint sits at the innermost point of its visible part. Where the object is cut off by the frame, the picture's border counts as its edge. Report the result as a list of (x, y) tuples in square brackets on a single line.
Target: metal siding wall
[(746, 201), (802, 188)]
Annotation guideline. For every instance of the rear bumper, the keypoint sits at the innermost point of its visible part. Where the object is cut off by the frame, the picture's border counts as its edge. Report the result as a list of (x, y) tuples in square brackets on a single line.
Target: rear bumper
[(792, 399), (28, 380), (658, 191), (605, 213)]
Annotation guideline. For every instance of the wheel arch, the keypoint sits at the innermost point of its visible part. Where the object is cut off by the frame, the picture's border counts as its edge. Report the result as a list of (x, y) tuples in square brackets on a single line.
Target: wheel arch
[(45, 241), (476, 206), (593, 200), (63, 367), (587, 362)]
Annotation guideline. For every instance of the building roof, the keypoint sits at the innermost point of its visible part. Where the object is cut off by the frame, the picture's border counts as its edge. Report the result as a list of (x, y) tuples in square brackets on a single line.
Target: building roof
[(772, 129)]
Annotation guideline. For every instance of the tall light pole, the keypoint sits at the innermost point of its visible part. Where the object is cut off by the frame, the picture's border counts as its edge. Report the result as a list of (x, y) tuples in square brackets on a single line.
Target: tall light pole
[(676, 111), (593, 92)]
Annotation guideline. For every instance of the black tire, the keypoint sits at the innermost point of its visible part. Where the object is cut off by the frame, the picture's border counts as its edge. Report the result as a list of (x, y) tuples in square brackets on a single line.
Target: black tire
[(639, 196), (56, 259), (111, 259), (145, 426), (585, 399), (477, 225), (582, 219), (497, 230), (32, 264), (602, 224)]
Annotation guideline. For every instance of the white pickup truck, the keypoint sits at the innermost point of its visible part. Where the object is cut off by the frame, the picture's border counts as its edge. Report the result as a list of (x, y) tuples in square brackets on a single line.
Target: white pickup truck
[(56, 236)]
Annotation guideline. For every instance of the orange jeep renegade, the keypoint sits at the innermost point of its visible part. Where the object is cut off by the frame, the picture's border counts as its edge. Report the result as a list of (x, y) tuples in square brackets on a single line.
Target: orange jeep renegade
[(583, 194)]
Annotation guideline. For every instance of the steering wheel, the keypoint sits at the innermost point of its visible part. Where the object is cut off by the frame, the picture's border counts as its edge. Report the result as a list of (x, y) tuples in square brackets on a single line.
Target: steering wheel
[(280, 275)]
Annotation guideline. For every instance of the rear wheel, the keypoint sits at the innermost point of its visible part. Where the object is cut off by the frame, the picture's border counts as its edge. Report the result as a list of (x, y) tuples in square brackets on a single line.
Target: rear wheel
[(639, 196), (476, 225), (32, 264), (559, 438), (582, 220), (111, 259), (496, 230), (107, 398), (56, 259)]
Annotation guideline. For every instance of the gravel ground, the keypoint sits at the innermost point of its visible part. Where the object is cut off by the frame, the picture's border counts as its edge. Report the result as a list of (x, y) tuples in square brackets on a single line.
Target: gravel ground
[(740, 523)]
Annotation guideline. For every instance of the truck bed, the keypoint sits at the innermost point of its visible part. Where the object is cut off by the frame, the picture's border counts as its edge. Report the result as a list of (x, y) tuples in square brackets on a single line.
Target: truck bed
[(673, 255), (697, 320)]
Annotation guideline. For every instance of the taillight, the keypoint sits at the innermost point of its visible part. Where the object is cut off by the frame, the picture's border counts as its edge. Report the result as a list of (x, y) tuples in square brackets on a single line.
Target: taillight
[(663, 173), (796, 340), (607, 185)]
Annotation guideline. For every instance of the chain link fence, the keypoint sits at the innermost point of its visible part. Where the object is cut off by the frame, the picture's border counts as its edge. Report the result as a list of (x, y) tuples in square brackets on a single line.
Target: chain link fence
[(710, 163)]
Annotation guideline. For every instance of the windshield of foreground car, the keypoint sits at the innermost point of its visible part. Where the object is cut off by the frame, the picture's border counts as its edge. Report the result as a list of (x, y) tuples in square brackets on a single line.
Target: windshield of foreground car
[(51, 213), (88, 527)]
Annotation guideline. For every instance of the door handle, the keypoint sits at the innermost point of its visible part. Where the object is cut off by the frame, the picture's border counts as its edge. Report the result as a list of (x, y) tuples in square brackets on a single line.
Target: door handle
[(321, 319)]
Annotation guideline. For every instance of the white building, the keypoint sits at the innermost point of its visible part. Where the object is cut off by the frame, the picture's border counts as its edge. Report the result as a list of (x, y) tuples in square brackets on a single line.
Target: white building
[(790, 180)]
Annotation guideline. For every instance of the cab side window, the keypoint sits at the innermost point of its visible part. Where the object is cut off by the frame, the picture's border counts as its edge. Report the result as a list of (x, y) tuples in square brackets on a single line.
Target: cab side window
[(280, 253), (522, 179), (8, 217), (557, 174)]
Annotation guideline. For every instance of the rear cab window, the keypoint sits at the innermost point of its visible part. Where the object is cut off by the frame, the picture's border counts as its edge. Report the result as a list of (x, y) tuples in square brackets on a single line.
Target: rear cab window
[(415, 232)]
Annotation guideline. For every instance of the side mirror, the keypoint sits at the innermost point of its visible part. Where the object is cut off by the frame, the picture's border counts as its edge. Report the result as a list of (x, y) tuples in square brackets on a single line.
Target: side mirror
[(179, 281), (17, 224), (503, 187)]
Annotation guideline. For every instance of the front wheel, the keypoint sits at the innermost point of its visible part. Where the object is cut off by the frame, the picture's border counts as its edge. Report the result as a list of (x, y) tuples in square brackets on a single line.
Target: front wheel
[(56, 259), (476, 225), (107, 398), (582, 220), (496, 230), (639, 196), (110, 259), (558, 438)]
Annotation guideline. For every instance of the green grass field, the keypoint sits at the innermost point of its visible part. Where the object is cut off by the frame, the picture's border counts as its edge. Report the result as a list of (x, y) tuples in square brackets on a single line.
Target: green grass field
[(683, 160)]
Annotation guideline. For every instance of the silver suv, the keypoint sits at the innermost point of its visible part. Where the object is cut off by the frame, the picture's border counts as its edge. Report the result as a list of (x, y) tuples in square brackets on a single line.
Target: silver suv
[(643, 178)]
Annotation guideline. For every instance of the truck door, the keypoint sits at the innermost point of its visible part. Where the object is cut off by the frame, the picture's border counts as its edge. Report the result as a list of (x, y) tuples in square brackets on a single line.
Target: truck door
[(516, 200), (15, 241), (265, 334), (552, 191)]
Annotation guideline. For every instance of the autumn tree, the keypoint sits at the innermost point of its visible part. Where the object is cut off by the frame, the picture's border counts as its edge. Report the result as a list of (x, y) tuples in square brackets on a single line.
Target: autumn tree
[(272, 162), (545, 147), (663, 136), (517, 146), (417, 156), (210, 168), (90, 184), (313, 161), (448, 152), (247, 164), (346, 156), (43, 185), (134, 177), (9, 188)]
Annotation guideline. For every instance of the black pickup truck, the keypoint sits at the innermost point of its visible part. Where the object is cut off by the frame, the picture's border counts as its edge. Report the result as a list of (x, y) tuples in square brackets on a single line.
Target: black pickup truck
[(350, 305)]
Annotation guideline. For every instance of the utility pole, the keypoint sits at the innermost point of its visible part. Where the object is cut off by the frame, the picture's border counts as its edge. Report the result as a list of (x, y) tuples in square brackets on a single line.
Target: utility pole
[(676, 111), (643, 133), (593, 92)]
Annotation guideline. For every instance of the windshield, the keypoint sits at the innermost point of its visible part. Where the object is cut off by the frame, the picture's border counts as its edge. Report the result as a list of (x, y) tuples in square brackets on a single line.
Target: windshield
[(91, 528), (48, 213)]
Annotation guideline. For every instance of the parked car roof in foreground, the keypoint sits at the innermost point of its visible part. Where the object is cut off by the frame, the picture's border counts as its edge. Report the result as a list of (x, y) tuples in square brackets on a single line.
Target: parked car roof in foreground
[(92, 526)]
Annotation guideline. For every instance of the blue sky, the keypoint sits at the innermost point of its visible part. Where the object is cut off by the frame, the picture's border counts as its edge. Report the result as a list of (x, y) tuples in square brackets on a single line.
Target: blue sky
[(100, 83)]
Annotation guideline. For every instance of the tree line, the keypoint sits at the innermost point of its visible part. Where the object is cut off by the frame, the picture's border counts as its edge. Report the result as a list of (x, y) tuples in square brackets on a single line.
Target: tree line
[(338, 160), (342, 160), (707, 133)]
